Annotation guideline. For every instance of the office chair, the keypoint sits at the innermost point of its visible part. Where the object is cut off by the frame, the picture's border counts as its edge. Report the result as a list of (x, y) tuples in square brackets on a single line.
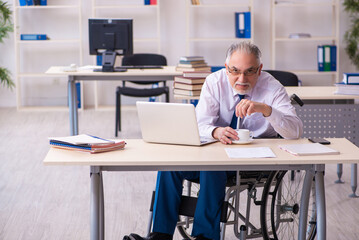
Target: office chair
[(285, 78), (141, 59)]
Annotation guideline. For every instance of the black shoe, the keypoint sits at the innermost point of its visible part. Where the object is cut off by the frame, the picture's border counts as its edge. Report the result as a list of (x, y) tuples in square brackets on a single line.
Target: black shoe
[(153, 236)]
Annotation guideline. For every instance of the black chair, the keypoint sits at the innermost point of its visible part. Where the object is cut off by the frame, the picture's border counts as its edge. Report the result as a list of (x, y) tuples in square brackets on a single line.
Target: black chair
[(285, 78), (142, 59)]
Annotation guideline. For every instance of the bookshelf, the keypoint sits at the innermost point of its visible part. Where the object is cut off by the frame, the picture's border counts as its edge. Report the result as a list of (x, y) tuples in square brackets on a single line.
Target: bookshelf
[(34, 89), (221, 18), (319, 18), (144, 16)]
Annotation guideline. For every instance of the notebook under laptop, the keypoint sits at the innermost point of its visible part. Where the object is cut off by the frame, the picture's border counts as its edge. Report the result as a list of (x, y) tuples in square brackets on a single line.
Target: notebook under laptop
[(172, 123)]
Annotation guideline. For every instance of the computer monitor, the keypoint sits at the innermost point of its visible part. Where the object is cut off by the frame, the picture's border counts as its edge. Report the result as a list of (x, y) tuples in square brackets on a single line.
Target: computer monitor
[(110, 37)]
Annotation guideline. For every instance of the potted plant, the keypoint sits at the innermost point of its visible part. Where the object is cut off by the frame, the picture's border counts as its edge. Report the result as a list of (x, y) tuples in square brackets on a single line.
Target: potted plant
[(351, 36), (6, 27)]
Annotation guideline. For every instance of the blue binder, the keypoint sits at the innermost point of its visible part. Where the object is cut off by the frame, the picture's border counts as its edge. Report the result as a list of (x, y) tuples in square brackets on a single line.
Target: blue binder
[(333, 58), (243, 24), (22, 2), (320, 57)]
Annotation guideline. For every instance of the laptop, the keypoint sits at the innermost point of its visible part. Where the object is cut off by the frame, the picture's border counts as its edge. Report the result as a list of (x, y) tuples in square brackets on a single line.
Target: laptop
[(171, 123)]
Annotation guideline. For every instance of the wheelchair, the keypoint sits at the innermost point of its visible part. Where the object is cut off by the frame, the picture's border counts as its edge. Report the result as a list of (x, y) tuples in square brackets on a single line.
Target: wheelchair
[(276, 194)]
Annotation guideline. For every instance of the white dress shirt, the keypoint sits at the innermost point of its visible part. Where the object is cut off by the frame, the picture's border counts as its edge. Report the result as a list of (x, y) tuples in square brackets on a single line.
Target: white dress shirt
[(218, 100)]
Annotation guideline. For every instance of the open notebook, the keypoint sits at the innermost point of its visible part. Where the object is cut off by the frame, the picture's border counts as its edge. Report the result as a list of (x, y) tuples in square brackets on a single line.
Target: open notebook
[(173, 123)]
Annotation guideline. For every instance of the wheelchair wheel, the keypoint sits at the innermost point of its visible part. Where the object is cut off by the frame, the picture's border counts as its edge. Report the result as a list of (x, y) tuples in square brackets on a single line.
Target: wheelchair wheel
[(280, 206)]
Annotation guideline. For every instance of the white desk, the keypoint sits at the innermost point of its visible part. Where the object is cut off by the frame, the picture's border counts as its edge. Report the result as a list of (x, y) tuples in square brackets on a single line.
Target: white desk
[(167, 73), (141, 156)]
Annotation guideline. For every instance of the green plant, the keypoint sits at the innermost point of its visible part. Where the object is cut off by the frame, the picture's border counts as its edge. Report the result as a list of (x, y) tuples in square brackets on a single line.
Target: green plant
[(351, 36), (6, 26)]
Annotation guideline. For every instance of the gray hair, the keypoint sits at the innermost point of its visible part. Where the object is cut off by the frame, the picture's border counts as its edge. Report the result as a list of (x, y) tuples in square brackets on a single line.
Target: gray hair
[(246, 47)]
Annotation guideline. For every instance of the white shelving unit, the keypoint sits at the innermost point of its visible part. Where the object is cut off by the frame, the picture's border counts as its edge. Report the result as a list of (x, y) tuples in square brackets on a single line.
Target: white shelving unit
[(328, 34), (142, 15), (31, 56), (220, 16)]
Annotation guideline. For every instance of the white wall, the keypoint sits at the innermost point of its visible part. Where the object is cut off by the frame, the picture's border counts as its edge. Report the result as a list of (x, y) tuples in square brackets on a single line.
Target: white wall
[(172, 46)]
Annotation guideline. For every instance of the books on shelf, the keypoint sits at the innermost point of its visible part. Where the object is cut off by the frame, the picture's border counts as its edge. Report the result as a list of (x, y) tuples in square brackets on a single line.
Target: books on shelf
[(191, 93), (242, 24), (351, 78), (32, 37), (86, 143), (327, 58), (308, 149)]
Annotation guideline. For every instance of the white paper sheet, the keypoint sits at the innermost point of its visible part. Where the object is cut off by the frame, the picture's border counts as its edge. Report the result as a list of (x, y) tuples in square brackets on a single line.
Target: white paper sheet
[(256, 152)]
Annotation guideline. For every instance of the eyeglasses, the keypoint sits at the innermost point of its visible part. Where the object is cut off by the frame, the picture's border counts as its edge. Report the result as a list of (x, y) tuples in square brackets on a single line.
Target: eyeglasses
[(247, 73)]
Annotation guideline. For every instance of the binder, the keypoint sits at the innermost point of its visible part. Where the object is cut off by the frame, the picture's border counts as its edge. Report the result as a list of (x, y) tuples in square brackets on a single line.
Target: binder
[(327, 58), (239, 23), (36, 2), (30, 37), (320, 57), (29, 2), (243, 24), (333, 58), (43, 2), (147, 2), (351, 78), (247, 25), (22, 2), (153, 2), (78, 92)]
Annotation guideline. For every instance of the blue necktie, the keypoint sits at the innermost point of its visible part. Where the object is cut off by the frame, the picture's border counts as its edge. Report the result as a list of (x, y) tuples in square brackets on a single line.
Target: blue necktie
[(235, 118)]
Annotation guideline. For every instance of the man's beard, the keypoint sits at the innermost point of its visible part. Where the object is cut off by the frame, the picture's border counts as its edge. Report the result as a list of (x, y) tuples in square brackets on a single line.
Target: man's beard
[(242, 92)]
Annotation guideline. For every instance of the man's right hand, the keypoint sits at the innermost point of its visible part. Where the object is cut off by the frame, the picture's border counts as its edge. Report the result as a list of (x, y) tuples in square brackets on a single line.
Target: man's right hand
[(225, 134)]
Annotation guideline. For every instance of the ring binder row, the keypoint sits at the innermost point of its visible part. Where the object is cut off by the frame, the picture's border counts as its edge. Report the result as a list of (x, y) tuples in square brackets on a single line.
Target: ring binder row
[(327, 58)]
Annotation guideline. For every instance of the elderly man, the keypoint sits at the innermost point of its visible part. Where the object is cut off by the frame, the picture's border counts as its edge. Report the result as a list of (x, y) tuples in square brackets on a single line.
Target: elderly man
[(240, 92)]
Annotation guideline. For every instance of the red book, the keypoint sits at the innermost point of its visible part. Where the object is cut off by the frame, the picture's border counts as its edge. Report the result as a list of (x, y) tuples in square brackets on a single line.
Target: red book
[(153, 2)]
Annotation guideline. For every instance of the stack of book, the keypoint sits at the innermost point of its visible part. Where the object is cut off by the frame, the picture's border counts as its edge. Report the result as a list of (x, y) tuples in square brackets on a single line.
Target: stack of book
[(86, 143), (349, 85), (327, 58), (192, 63), (190, 84)]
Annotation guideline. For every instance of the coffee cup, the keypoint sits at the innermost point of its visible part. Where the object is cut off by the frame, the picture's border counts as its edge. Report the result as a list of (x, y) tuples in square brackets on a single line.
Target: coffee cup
[(244, 135)]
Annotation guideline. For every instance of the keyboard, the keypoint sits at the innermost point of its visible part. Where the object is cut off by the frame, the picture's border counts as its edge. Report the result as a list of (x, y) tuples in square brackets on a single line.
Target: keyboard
[(139, 67)]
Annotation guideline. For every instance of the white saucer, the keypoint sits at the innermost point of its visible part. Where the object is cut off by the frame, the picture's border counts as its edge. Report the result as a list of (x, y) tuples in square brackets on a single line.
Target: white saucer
[(242, 142)]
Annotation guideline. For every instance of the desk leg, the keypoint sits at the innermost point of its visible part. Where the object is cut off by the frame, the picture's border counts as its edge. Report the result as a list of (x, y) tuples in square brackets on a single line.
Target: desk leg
[(339, 173), (72, 101), (97, 208), (304, 203), (354, 180), (320, 199)]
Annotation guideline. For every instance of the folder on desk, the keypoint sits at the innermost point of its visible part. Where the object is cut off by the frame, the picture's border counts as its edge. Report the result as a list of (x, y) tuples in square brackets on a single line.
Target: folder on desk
[(86, 143), (308, 149)]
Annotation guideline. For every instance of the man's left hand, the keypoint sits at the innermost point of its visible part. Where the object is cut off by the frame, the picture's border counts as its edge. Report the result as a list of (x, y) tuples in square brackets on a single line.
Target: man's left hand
[(246, 107)]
